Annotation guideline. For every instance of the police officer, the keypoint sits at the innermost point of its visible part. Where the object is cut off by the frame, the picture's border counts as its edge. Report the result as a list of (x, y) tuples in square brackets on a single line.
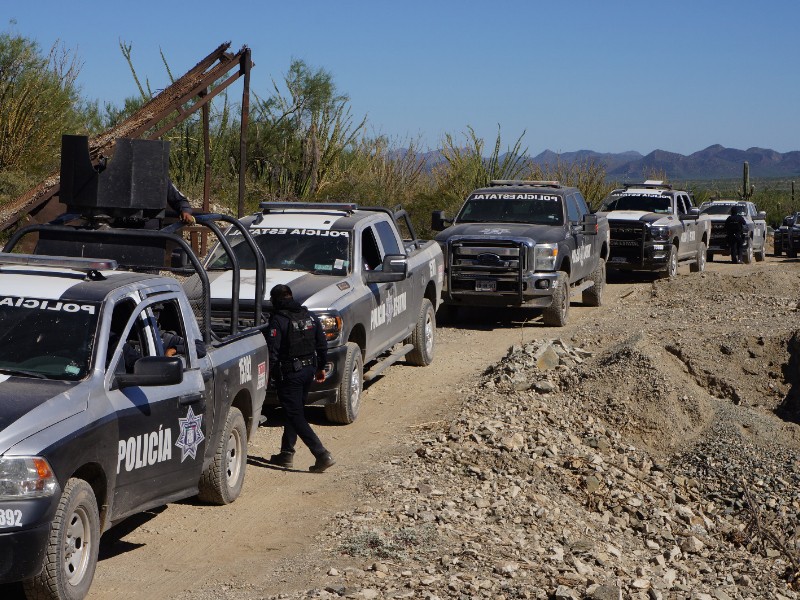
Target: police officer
[(735, 227), (180, 204), (297, 352)]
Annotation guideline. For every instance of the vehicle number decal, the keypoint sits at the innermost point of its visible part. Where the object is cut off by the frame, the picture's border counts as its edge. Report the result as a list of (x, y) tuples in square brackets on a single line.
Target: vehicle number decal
[(262, 375), (10, 518), (245, 369), (432, 267), (688, 236)]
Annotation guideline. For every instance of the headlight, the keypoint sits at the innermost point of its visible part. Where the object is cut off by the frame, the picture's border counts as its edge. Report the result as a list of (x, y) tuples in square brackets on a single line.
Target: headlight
[(26, 477), (659, 233), (544, 257), (331, 325)]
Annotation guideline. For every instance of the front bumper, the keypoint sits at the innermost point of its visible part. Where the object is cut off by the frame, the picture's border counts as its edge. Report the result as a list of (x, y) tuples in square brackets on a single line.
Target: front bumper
[(536, 291), (22, 551), (654, 256), (326, 392)]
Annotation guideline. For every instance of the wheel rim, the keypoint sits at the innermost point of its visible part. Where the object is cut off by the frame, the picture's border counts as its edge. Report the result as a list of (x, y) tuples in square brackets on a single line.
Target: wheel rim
[(355, 387), (701, 259), (428, 333), (750, 253), (234, 463), (673, 263), (77, 546)]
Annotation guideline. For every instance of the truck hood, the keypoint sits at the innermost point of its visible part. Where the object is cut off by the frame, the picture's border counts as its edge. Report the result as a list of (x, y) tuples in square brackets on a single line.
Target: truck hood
[(635, 215), (28, 406), (501, 231), (314, 291)]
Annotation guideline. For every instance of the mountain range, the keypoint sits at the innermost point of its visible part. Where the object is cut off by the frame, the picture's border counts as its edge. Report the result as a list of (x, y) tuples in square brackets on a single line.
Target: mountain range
[(715, 162)]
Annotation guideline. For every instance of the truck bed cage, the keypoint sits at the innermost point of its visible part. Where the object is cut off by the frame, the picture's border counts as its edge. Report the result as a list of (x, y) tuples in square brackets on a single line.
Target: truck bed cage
[(149, 251)]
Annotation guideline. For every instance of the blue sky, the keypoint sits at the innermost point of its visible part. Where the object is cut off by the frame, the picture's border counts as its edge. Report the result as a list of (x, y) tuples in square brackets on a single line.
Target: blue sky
[(601, 75)]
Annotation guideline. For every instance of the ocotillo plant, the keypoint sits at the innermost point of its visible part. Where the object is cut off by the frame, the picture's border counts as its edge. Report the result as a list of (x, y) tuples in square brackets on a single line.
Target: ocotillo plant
[(746, 193)]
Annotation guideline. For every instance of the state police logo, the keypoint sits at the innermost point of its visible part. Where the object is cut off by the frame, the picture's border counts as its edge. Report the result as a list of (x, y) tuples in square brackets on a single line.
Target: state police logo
[(191, 434)]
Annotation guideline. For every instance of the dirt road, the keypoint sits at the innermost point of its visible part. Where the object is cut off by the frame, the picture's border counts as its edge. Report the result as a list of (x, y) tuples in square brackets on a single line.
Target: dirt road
[(184, 548)]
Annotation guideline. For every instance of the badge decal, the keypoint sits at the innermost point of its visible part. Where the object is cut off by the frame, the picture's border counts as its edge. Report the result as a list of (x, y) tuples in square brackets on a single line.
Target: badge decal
[(191, 434)]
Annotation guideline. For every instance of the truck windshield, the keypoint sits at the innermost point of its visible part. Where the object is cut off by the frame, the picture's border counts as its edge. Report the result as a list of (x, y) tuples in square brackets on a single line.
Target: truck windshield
[(48, 339), (324, 252), (718, 209), (536, 211), (646, 203)]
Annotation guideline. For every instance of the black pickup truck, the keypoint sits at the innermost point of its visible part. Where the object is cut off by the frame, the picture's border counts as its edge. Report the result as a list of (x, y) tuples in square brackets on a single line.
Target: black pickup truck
[(523, 243), (116, 396)]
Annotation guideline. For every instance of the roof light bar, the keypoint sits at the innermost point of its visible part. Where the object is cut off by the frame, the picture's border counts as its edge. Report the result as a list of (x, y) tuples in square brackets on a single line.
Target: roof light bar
[(532, 183), (650, 184), (339, 206), (65, 262)]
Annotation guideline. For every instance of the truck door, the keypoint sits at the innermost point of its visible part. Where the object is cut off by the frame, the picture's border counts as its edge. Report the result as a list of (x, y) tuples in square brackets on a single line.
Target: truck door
[(407, 296), (689, 238), (382, 296), (759, 228), (161, 429), (579, 252)]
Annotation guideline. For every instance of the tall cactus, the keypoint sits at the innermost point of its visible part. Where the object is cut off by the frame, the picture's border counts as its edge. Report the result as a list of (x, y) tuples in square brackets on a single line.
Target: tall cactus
[(746, 193)]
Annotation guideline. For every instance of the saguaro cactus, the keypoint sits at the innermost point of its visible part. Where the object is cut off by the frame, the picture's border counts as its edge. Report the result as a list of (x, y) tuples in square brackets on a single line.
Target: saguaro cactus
[(746, 193)]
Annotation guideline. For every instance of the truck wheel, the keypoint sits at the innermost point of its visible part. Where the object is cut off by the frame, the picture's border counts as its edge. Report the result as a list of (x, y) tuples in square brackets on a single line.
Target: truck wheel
[(221, 482), (761, 254), (791, 253), (556, 314), (709, 256), (748, 254), (593, 296), (699, 265), (71, 556), (672, 263), (423, 336), (346, 408)]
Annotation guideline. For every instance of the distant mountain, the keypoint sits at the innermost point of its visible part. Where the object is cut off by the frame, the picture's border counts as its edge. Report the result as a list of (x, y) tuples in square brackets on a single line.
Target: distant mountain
[(715, 162)]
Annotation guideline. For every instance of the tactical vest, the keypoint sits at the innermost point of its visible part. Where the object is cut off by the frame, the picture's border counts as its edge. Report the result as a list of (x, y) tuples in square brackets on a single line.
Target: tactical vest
[(301, 333)]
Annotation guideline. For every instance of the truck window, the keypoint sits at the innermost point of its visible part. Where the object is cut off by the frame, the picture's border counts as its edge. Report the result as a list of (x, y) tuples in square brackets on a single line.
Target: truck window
[(573, 214), (388, 238), (679, 205), (46, 338), (583, 208), (137, 340), (371, 257), (171, 338)]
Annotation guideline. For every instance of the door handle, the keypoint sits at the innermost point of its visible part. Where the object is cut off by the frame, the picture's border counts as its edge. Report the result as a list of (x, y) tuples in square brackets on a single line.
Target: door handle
[(191, 399)]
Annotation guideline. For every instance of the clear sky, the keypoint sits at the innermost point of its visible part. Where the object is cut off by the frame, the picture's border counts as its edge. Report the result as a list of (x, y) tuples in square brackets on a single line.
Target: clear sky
[(607, 75)]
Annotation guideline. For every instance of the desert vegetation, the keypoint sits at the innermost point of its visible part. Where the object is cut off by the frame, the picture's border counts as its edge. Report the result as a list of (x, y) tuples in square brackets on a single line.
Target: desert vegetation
[(304, 142)]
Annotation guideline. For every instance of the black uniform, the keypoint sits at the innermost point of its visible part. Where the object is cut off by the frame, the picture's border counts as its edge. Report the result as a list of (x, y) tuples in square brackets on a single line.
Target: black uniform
[(176, 200), (735, 228), (297, 347)]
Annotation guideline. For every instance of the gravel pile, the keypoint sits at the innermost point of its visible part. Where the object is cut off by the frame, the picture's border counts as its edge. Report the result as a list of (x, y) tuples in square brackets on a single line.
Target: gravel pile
[(535, 490)]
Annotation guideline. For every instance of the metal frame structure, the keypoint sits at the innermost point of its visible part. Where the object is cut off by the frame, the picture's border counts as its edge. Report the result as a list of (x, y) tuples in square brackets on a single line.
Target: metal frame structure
[(188, 94)]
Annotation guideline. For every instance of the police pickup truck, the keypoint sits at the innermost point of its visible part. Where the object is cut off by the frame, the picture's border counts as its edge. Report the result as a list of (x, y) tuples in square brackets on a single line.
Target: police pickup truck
[(787, 237), (654, 228), (524, 243), (755, 239), (116, 396), (371, 289)]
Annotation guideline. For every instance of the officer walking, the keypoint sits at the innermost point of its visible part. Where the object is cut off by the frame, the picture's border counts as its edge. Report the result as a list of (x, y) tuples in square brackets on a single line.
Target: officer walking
[(735, 227), (297, 352)]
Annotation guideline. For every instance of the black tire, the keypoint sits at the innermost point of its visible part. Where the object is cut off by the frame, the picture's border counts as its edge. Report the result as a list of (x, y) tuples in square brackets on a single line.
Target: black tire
[(748, 254), (709, 256), (593, 296), (221, 482), (761, 254), (347, 406), (776, 251), (423, 336), (699, 265), (71, 556), (672, 263), (556, 314)]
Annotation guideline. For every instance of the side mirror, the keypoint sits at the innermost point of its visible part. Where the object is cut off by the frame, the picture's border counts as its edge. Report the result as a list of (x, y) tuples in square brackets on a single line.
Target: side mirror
[(692, 215), (762, 215), (153, 370), (438, 220), (393, 268), (590, 225)]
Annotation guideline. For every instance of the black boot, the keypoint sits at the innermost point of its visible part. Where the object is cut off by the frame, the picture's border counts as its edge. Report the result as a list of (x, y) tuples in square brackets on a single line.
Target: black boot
[(324, 461), (282, 459)]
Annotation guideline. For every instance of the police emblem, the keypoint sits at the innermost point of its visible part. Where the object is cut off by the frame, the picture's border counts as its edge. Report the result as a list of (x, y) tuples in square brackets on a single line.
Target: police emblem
[(191, 434)]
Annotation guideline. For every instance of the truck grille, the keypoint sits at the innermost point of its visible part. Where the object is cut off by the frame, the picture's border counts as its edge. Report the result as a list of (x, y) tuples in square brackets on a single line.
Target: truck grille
[(718, 234), (627, 238), (502, 262)]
